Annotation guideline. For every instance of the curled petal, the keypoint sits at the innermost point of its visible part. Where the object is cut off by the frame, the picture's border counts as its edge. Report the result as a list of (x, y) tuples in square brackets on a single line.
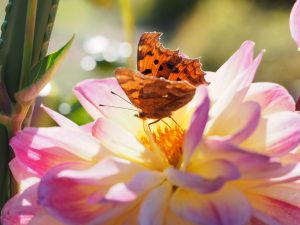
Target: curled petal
[(25, 176), (20, 171), (247, 117), (80, 187), (155, 205), (250, 164), (130, 191), (224, 171), (36, 161), (271, 97), (21, 208), (58, 137), (196, 128), (226, 207), (295, 23), (277, 134)]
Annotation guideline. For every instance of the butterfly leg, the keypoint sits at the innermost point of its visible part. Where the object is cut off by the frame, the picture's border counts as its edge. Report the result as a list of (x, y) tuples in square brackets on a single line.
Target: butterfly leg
[(176, 123), (155, 121), (166, 123)]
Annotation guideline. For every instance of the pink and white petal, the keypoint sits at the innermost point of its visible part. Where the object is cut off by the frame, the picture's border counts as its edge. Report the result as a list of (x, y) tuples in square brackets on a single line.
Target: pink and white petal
[(59, 137), (84, 186), (210, 76), (236, 124), (20, 209), (74, 193), (43, 217), (173, 219), (226, 207), (276, 135), (88, 127), (295, 23), (108, 171), (250, 164), (21, 172), (120, 214), (286, 192), (60, 119), (280, 211), (225, 171), (271, 97), (260, 218), (124, 144), (234, 94), (92, 93), (37, 161), (237, 63), (197, 125), (130, 191), (155, 204), (214, 169)]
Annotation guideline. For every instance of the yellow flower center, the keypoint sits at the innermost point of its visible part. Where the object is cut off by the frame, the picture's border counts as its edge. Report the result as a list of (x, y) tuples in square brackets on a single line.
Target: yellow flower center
[(170, 142)]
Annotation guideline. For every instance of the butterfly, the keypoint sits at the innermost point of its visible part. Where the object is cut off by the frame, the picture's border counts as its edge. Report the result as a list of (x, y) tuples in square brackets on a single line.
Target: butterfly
[(165, 81)]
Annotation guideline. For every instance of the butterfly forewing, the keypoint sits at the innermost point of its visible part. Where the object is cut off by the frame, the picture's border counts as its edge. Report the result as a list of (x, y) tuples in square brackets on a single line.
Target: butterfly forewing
[(155, 60)]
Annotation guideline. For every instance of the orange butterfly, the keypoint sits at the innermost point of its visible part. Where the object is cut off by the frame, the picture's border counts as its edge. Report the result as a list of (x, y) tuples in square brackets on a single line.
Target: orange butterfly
[(165, 80)]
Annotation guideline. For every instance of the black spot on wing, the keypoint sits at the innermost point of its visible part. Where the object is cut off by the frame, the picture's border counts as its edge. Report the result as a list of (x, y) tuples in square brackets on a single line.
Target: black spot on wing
[(147, 71)]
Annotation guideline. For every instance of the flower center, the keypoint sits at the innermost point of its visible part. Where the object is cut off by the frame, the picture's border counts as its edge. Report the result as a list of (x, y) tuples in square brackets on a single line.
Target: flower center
[(170, 142)]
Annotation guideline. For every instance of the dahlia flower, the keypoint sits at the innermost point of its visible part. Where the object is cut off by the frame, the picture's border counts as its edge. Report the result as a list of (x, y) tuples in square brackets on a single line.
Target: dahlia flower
[(231, 160)]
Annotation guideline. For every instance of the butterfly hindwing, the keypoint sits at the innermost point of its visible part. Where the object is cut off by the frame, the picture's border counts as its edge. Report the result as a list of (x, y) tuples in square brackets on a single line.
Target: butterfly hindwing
[(157, 98)]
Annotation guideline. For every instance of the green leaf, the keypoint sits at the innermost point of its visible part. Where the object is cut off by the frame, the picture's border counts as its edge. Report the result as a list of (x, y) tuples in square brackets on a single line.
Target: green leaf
[(41, 74), (12, 43), (46, 11), (15, 62)]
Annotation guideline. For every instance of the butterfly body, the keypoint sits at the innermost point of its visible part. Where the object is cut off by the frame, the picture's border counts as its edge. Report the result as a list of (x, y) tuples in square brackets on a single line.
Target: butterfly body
[(165, 80)]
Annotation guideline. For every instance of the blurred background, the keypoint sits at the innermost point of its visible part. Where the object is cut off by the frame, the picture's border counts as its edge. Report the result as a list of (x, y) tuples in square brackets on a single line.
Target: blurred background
[(107, 33)]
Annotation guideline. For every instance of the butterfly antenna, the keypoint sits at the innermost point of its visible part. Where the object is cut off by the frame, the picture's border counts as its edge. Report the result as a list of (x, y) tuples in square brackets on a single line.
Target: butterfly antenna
[(114, 93), (118, 107)]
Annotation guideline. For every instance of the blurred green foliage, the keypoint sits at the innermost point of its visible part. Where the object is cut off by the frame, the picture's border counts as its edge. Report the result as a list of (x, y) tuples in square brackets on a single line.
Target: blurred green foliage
[(207, 28)]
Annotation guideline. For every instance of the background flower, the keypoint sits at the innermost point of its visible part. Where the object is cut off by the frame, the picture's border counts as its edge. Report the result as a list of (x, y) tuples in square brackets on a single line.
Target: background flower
[(294, 23)]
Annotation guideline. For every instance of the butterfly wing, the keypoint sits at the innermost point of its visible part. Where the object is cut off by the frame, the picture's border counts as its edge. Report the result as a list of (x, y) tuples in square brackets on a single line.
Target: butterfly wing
[(155, 60), (157, 98)]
